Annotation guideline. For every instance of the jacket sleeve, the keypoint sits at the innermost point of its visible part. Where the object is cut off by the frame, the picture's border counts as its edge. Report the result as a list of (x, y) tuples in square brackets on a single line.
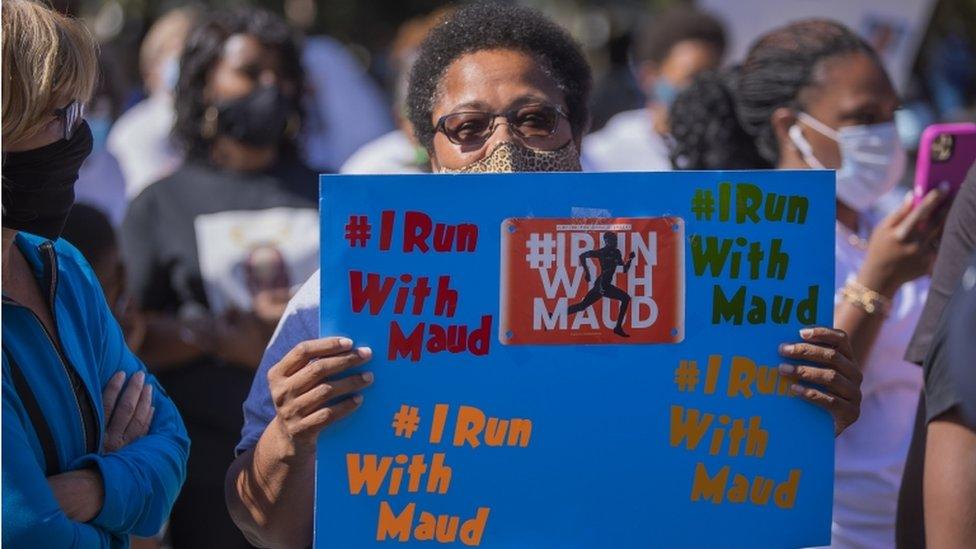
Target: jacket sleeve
[(143, 478), (31, 515)]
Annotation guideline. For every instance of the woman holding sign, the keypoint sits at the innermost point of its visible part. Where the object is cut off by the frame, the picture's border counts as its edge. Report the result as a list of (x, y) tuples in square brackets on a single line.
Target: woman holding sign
[(496, 88), (814, 95)]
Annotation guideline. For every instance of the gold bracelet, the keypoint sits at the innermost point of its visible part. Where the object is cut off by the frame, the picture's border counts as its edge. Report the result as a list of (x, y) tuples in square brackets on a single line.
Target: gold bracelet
[(865, 298)]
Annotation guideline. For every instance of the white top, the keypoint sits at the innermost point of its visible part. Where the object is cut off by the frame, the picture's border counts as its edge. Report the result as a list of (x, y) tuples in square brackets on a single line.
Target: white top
[(102, 185), (140, 141), (627, 143), (870, 454), (390, 153)]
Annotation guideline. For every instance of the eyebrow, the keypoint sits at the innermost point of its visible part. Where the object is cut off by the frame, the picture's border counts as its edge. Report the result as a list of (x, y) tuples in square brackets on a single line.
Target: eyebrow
[(526, 99)]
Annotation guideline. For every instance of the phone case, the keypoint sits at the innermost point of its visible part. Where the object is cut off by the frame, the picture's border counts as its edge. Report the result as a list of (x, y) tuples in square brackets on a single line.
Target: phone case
[(945, 153)]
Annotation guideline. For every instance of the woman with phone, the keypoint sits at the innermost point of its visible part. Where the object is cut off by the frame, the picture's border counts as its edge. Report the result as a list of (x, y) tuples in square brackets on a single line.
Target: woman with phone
[(813, 94)]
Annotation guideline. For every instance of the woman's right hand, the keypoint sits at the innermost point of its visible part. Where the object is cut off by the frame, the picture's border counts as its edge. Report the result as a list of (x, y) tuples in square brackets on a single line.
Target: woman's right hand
[(305, 386), (903, 246)]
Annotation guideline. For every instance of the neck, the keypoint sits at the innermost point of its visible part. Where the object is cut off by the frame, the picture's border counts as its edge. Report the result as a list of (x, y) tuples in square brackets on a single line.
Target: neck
[(8, 245), (233, 155), (8, 242)]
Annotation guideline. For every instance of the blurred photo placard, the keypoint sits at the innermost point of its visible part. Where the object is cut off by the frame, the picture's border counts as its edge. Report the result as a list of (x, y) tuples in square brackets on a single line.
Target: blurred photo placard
[(577, 360)]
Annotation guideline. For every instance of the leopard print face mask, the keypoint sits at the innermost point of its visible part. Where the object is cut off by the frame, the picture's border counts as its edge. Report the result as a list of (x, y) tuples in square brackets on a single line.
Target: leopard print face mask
[(508, 157)]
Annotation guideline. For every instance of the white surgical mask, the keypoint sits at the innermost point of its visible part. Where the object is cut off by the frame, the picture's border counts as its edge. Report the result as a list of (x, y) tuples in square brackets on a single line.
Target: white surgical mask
[(872, 159)]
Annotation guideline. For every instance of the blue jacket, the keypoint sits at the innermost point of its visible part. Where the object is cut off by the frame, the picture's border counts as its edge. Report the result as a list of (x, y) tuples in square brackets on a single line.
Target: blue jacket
[(142, 479)]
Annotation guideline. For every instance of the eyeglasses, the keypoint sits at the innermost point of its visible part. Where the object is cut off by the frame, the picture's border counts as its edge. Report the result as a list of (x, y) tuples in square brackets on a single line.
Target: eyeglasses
[(70, 116), (473, 128)]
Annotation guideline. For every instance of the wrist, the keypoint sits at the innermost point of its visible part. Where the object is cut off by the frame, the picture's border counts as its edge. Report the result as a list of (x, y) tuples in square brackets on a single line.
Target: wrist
[(886, 285), (290, 450)]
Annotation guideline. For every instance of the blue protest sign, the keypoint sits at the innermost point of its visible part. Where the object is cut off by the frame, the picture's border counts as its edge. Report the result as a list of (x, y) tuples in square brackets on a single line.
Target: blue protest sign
[(577, 360)]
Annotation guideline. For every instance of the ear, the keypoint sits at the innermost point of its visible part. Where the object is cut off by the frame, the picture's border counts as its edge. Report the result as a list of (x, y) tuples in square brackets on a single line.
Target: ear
[(782, 119)]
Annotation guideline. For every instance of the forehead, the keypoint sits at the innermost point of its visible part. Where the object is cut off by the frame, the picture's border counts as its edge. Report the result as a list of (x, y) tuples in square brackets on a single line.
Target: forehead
[(495, 79), (243, 48), (851, 80)]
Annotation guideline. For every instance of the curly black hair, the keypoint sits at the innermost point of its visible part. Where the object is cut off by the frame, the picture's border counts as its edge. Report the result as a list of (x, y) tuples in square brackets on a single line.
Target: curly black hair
[(724, 121), (484, 26), (705, 134), (659, 34), (203, 49)]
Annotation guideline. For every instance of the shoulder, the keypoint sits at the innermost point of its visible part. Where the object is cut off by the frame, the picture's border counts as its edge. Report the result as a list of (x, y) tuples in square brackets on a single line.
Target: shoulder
[(305, 302), (73, 264)]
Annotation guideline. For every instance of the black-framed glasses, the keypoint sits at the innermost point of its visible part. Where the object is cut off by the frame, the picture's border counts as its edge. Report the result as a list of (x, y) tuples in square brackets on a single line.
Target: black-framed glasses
[(70, 117), (473, 128)]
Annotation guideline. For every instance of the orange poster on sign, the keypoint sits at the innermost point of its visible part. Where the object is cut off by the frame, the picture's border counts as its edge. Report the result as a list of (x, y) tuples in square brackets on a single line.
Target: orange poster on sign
[(573, 281)]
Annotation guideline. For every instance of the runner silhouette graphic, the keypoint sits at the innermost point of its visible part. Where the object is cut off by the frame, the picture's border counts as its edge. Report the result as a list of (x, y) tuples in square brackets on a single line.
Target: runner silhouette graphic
[(610, 258)]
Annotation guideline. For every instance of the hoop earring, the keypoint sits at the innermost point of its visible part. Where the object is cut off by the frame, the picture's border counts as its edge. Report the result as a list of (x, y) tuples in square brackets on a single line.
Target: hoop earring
[(208, 127)]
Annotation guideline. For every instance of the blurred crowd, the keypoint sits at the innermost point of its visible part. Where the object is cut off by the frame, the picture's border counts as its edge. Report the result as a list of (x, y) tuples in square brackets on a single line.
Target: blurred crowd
[(197, 208)]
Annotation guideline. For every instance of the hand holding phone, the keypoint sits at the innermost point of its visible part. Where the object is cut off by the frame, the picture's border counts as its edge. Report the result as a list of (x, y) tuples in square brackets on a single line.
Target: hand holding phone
[(945, 154)]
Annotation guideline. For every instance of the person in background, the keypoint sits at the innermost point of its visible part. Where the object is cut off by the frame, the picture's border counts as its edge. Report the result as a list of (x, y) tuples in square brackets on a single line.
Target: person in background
[(483, 60), (669, 51), (398, 150), (93, 449), (213, 250), (940, 401), (141, 138), (90, 230), (814, 95), (346, 108), (100, 180), (950, 477)]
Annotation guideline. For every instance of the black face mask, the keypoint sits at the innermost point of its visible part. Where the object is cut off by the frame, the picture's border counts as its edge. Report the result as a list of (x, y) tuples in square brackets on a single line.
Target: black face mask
[(39, 184), (258, 119)]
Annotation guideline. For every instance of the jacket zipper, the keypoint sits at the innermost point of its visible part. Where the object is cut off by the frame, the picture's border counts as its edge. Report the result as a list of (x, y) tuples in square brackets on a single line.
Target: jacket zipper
[(75, 381)]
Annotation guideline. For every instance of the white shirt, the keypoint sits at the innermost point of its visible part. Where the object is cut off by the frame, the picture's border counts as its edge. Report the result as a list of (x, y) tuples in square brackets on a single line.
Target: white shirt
[(140, 141), (870, 454), (627, 143), (390, 153)]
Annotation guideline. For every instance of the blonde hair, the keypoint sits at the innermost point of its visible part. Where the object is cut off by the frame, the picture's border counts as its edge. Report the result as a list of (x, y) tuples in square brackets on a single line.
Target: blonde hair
[(47, 58)]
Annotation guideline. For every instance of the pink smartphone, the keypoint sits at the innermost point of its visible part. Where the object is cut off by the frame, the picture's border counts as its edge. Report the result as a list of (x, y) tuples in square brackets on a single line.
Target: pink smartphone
[(945, 153)]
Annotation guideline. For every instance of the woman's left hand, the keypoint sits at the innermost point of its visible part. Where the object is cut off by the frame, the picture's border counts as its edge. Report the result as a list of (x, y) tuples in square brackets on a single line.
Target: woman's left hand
[(827, 362)]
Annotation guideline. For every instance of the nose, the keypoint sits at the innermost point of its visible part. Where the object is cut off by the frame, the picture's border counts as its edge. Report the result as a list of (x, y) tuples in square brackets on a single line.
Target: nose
[(502, 133)]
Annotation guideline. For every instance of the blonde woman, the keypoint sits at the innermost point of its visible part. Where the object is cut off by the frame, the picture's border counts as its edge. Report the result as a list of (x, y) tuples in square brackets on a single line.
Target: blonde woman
[(93, 449)]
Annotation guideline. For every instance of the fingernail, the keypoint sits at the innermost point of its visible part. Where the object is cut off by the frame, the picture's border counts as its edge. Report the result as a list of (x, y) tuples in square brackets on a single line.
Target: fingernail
[(150, 391), (786, 348), (358, 399), (787, 369), (139, 377), (368, 377), (806, 333), (345, 343), (364, 352), (796, 388)]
